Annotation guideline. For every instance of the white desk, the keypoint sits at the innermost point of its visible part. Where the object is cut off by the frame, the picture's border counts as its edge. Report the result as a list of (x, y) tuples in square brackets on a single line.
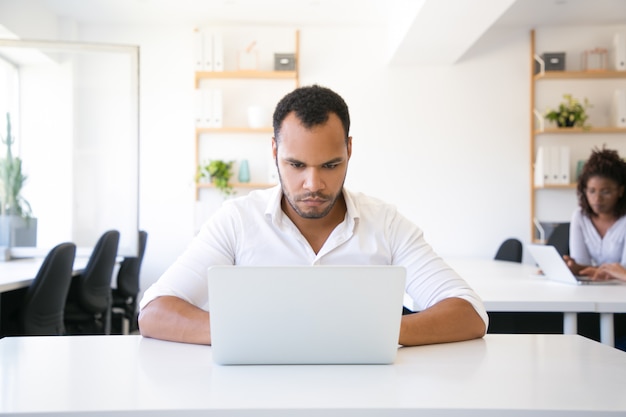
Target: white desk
[(19, 273), (521, 375), (510, 286)]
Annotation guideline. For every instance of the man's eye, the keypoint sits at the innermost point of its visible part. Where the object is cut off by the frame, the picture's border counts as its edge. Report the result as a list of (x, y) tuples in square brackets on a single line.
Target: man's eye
[(331, 166), (297, 165)]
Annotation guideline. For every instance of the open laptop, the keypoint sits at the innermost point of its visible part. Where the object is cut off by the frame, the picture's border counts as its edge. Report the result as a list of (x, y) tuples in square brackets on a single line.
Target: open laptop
[(554, 267), (305, 314)]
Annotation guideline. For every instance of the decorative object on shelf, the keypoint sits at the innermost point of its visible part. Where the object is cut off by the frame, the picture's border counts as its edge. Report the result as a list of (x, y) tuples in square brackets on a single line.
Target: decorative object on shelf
[(550, 61), (244, 171), (595, 59), (249, 58), (570, 113), (579, 168), (258, 117), (219, 173), (284, 62), (17, 226)]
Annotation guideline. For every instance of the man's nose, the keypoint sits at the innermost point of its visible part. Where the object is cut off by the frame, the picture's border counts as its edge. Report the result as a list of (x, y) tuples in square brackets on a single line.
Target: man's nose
[(313, 180)]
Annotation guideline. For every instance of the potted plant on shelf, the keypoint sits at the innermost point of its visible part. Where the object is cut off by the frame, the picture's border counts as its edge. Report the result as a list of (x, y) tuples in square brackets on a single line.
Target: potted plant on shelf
[(219, 173), (17, 226), (570, 113)]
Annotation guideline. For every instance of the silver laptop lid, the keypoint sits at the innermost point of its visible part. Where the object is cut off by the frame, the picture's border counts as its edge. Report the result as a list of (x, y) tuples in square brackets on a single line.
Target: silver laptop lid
[(305, 314), (555, 268)]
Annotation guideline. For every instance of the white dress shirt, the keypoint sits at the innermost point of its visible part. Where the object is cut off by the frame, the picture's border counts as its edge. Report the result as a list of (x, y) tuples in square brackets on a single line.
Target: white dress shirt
[(587, 247), (253, 230)]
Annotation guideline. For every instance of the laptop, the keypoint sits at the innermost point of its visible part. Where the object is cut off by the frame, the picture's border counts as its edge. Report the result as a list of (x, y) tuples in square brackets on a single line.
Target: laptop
[(305, 314), (554, 267)]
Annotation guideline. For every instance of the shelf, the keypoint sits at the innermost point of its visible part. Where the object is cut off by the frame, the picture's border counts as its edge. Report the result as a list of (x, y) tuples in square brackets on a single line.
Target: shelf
[(237, 185), (246, 74), (556, 186), (579, 75), (232, 129), (579, 130)]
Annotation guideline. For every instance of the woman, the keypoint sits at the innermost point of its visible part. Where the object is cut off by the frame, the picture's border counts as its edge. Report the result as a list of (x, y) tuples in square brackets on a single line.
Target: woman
[(598, 231), (598, 226)]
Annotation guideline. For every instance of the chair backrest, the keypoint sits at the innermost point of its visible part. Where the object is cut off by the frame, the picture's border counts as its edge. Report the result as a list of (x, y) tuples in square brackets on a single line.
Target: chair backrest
[(42, 309), (95, 281), (128, 274), (510, 250), (559, 238)]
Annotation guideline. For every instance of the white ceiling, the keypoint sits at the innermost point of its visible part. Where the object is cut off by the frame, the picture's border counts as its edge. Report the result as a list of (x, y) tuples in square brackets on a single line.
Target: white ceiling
[(441, 30)]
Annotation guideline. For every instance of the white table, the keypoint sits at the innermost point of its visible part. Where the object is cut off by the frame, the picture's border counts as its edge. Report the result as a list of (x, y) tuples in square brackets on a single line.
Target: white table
[(19, 273), (511, 286), (521, 375)]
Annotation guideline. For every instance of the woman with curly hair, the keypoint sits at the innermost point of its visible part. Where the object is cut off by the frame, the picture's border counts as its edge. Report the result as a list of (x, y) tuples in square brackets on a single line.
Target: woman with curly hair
[(598, 226)]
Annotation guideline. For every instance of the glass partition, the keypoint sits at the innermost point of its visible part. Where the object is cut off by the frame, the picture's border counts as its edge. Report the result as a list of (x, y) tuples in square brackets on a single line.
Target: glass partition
[(75, 127)]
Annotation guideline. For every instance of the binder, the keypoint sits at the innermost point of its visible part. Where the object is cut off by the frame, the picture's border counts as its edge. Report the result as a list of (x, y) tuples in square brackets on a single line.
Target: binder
[(198, 57), (207, 107), (199, 108), (540, 167), (216, 108), (618, 108), (564, 165), (207, 51), (554, 165), (218, 52), (619, 51)]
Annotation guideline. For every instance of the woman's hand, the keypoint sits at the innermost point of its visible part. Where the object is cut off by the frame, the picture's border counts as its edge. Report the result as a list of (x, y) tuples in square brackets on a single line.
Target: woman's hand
[(576, 268), (608, 271)]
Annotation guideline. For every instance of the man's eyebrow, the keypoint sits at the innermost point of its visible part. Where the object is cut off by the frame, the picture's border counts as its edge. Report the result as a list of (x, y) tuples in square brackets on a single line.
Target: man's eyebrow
[(332, 161)]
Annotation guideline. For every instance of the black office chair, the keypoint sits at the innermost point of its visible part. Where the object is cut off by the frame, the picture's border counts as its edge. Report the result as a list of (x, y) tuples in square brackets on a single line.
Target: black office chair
[(559, 238), (510, 250), (88, 306), (41, 311), (125, 295)]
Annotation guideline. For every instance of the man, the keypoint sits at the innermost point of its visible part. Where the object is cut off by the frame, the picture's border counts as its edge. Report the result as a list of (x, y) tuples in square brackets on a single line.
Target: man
[(310, 219)]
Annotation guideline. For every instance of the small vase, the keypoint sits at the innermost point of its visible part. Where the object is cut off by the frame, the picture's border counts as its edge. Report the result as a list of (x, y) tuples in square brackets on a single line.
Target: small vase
[(567, 123), (244, 171)]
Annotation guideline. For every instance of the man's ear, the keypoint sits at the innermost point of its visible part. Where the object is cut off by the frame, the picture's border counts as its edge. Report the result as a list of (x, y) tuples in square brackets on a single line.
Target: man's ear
[(274, 148), (349, 146)]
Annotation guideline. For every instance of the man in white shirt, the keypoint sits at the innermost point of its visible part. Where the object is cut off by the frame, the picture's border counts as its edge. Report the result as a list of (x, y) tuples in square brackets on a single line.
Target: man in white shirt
[(311, 219)]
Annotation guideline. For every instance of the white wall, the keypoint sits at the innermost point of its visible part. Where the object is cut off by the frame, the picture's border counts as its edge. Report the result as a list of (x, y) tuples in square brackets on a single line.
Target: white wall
[(448, 145)]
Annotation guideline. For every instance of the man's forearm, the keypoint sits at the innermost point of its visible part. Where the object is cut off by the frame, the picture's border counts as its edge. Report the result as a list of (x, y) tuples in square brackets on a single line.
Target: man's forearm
[(450, 320), (171, 318)]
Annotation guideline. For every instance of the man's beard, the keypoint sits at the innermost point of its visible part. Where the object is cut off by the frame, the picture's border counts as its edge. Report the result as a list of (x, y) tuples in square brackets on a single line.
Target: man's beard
[(311, 214)]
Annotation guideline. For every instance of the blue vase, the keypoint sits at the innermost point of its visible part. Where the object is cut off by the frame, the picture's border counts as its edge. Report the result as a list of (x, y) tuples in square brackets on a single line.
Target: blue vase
[(244, 171)]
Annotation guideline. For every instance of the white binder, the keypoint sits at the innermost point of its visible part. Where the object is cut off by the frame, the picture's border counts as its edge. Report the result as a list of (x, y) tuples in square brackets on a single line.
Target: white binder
[(207, 51), (218, 52), (207, 107), (216, 108), (199, 108), (541, 167), (618, 108), (564, 165), (198, 54), (619, 51)]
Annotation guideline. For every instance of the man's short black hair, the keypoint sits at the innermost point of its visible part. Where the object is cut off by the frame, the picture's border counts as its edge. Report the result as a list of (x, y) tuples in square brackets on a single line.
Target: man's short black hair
[(312, 105)]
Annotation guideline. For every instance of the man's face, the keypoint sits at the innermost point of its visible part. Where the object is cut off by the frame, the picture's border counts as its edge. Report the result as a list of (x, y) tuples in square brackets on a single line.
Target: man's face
[(312, 165)]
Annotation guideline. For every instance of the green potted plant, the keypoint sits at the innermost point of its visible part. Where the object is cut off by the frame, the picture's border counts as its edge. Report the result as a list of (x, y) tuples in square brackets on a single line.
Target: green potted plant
[(570, 113), (17, 226), (219, 173)]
